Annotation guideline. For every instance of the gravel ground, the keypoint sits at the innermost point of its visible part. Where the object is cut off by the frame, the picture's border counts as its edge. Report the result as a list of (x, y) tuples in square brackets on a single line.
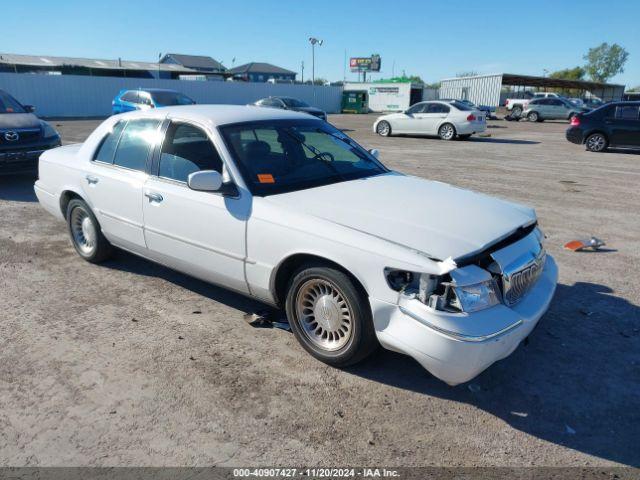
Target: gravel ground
[(130, 364)]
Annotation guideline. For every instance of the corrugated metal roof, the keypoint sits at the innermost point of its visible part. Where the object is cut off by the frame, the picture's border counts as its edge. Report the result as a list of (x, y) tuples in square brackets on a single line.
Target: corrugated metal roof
[(49, 61), (534, 81), (260, 67), (196, 61)]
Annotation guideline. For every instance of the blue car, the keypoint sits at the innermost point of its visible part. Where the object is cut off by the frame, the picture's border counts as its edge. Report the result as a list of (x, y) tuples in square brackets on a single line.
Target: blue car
[(145, 98)]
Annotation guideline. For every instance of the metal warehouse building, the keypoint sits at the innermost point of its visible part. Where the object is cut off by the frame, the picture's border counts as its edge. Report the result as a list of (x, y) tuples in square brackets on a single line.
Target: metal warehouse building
[(486, 89)]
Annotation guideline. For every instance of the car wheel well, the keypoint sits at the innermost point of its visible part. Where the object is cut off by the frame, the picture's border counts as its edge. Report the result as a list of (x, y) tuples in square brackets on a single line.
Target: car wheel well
[(601, 132), (290, 265), (65, 198)]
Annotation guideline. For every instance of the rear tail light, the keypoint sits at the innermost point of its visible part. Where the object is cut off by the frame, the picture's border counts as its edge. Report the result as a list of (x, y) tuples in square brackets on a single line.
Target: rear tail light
[(471, 117), (575, 121), (506, 103)]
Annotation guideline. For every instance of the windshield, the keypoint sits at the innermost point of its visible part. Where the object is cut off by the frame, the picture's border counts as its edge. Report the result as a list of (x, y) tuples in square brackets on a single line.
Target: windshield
[(293, 103), (278, 156), (171, 98), (8, 104)]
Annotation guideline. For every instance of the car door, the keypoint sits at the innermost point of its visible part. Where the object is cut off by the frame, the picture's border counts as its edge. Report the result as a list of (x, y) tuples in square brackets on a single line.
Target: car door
[(200, 233), (558, 109), (115, 178), (407, 121), (624, 125), (432, 117)]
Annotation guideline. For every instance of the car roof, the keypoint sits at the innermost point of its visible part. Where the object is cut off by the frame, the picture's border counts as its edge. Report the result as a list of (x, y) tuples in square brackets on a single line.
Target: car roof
[(217, 115)]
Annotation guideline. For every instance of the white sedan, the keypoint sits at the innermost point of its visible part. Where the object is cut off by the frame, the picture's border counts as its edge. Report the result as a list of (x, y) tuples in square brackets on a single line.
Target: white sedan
[(285, 208), (448, 120)]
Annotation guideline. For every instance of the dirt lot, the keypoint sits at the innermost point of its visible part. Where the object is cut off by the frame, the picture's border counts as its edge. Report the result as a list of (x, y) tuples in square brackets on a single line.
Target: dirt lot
[(133, 364)]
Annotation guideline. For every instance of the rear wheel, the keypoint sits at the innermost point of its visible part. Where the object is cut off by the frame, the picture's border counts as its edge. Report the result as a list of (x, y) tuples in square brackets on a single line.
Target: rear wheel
[(86, 236), (329, 316), (383, 129), (447, 131), (516, 111), (596, 142), (533, 117)]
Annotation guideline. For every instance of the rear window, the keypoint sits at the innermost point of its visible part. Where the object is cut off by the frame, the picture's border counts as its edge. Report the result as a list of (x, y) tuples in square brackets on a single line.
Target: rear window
[(461, 106), (171, 98), (627, 112)]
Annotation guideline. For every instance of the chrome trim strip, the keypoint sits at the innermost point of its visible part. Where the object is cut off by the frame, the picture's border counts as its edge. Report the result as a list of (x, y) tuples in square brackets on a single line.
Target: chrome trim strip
[(118, 218), (194, 244), (460, 336)]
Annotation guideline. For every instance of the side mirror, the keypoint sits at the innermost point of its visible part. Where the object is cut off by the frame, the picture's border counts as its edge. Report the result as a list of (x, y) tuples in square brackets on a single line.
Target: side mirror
[(205, 181), (29, 108), (375, 152)]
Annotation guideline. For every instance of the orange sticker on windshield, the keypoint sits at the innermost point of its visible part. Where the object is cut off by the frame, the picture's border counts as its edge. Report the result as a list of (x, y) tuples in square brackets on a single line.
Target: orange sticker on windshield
[(266, 178)]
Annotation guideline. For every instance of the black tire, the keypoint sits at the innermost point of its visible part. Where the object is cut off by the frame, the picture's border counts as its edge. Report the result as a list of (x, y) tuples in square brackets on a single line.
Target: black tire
[(95, 249), (447, 132), (533, 117), (383, 129), (361, 339), (466, 136), (596, 142), (516, 111)]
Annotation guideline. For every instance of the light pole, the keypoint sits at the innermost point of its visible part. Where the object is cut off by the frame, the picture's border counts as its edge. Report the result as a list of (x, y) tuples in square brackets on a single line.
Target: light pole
[(313, 41)]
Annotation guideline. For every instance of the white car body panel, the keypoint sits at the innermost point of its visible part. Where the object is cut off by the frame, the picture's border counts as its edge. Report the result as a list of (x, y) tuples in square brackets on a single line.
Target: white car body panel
[(364, 226), (429, 123)]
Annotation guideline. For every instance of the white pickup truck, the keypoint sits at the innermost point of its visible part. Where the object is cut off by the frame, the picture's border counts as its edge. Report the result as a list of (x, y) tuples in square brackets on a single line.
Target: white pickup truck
[(285, 208), (518, 105)]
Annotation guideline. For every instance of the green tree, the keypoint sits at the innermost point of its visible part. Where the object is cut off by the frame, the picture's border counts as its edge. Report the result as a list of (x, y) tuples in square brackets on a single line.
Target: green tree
[(576, 73), (634, 89), (605, 61)]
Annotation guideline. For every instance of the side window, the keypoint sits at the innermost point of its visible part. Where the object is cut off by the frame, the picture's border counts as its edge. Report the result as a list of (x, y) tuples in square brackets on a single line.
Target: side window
[(130, 96), (557, 103), (136, 142), (417, 108), (437, 108), (626, 112), (187, 149), (108, 146)]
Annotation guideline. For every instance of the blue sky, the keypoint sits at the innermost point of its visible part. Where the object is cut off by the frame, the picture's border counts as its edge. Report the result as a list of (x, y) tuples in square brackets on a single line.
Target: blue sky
[(432, 39)]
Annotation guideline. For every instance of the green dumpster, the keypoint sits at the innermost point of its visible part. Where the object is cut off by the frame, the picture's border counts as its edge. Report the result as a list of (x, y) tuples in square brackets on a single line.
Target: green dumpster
[(356, 101)]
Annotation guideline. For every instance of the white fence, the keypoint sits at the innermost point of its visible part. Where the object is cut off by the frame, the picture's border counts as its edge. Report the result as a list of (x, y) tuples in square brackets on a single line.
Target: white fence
[(84, 96)]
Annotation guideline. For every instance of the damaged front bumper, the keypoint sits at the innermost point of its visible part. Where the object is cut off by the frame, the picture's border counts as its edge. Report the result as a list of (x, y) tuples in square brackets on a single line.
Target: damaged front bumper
[(455, 347)]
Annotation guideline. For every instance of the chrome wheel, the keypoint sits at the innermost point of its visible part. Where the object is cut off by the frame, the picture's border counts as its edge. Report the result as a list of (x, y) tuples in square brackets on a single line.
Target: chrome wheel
[(516, 112), (596, 142), (383, 129), (447, 132), (83, 230), (533, 117), (324, 314)]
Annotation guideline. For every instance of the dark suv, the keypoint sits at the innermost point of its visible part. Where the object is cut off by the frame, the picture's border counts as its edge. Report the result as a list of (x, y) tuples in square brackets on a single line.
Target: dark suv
[(23, 136), (612, 125)]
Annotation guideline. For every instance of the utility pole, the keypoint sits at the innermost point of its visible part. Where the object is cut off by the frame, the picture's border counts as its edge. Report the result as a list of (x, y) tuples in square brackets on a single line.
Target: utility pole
[(302, 69), (313, 41), (159, 58)]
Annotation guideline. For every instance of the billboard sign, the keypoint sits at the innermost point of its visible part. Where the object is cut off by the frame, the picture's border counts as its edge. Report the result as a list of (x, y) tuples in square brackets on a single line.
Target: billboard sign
[(365, 64)]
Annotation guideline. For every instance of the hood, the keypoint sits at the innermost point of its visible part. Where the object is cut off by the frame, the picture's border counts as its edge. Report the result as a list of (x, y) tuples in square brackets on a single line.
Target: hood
[(10, 121), (435, 218)]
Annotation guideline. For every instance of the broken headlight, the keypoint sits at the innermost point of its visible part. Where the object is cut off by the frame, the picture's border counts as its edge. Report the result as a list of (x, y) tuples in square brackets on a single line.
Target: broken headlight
[(466, 289)]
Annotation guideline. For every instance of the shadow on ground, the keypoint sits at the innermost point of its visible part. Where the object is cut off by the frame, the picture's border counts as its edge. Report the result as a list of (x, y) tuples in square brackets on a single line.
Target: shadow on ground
[(576, 383), (17, 188), (513, 141)]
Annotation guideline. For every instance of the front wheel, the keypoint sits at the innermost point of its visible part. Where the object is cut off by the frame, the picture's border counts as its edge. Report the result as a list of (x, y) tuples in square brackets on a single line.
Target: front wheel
[(596, 142), (86, 236), (329, 316), (533, 117), (383, 129), (447, 132)]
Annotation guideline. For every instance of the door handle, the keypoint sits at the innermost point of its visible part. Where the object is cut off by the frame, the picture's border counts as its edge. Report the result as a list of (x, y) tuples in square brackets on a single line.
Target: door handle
[(91, 180), (153, 197)]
